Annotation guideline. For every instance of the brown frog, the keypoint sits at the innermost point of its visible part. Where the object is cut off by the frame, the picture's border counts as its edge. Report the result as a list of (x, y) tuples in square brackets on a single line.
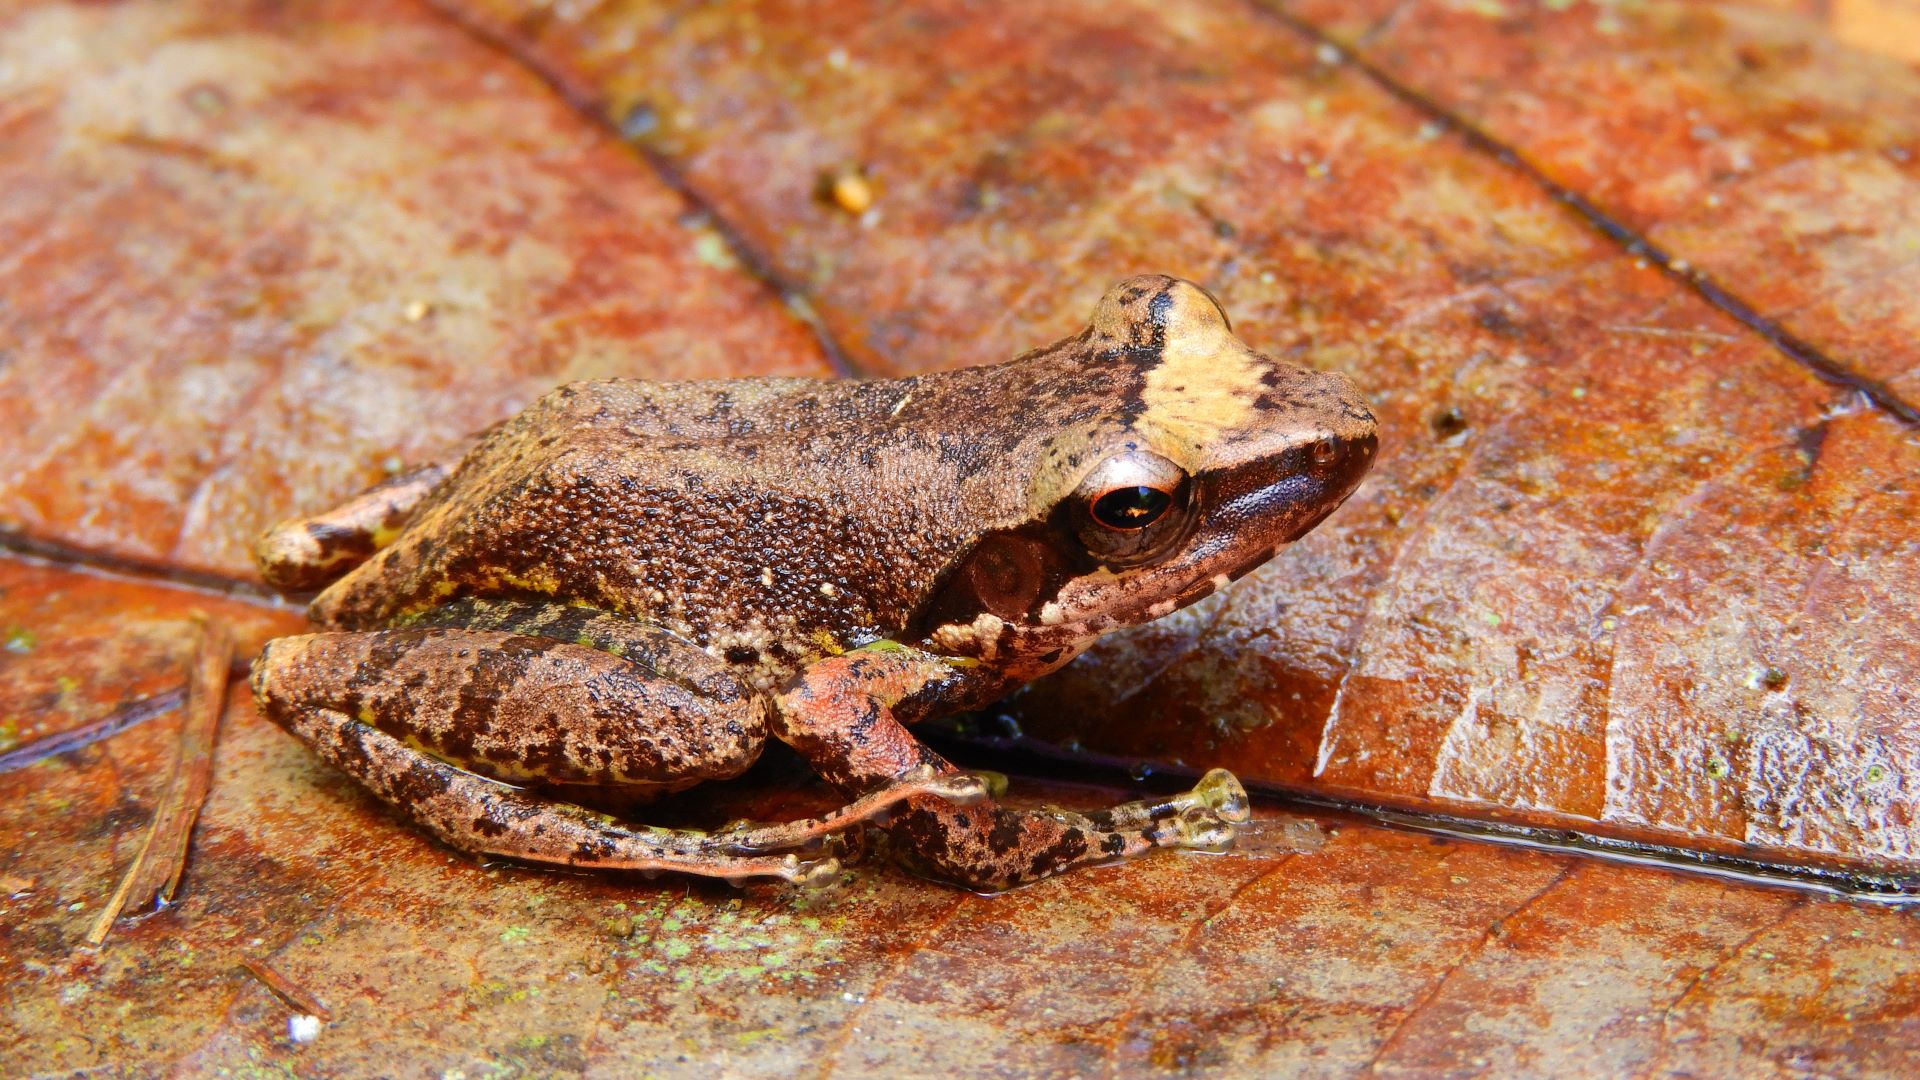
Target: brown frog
[(632, 584)]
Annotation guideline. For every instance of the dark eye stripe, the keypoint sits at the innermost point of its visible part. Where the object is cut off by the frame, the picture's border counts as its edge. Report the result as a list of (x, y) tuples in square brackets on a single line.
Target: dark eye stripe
[(1131, 507)]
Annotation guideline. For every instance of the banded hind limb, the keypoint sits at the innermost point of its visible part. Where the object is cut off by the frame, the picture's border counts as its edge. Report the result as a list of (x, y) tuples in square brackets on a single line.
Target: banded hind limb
[(448, 722)]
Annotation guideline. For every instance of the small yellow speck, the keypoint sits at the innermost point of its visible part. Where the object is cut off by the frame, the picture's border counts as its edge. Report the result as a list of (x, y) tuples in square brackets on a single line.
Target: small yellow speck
[(417, 310), (827, 590), (1579, 392), (1609, 623), (766, 576), (711, 249), (850, 190)]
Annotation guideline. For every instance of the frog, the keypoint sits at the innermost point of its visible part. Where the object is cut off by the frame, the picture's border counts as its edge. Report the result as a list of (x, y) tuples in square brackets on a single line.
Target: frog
[(632, 586)]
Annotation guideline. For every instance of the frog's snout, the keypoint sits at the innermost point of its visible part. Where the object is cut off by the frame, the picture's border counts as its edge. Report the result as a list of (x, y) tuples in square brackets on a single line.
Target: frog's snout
[(1345, 459)]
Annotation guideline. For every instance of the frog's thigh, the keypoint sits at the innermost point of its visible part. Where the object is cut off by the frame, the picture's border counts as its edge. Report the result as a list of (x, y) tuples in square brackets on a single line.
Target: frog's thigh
[(517, 707)]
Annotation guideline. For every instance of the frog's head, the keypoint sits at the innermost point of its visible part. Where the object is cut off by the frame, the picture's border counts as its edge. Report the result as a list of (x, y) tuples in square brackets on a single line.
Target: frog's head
[(1165, 458)]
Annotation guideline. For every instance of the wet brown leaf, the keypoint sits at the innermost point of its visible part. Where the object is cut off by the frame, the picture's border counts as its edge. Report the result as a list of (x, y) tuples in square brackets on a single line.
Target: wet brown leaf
[(259, 254), (1634, 561), (1635, 558)]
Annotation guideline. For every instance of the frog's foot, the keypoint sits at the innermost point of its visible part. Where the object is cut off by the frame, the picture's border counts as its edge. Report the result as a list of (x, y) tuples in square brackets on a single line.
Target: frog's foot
[(306, 553), (487, 817), (1218, 795), (992, 848), (876, 808)]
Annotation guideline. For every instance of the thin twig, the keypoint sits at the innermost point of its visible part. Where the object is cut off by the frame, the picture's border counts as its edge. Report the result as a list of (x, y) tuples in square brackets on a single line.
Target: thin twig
[(292, 994), (156, 868)]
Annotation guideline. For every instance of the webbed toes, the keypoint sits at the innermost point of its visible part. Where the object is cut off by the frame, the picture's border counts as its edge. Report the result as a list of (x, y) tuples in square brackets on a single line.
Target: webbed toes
[(812, 875), (1200, 829), (962, 789)]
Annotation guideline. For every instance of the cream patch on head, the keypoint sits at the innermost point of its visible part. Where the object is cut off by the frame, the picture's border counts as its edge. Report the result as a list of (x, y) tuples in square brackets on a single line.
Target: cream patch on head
[(1207, 380)]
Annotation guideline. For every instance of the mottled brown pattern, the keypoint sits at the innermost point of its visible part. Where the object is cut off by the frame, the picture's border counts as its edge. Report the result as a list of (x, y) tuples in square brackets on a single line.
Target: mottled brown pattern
[(1644, 256), (566, 605), (766, 515), (476, 814), (236, 190), (515, 707)]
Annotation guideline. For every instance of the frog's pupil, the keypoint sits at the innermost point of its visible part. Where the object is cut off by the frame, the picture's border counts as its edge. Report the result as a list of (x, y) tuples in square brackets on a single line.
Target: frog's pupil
[(1130, 507)]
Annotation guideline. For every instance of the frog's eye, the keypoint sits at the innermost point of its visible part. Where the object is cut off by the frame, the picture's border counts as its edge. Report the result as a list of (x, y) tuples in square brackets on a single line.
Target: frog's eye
[(1131, 507)]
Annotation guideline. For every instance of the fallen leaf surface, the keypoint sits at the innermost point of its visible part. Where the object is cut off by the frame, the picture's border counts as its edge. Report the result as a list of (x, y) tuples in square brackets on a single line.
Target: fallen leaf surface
[(260, 256), (1320, 949), (1637, 559)]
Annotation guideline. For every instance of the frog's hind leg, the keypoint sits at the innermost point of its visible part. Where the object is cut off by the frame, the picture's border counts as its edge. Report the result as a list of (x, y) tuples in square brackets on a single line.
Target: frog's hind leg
[(306, 553), (838, 714), (433, 719), (488, 817)]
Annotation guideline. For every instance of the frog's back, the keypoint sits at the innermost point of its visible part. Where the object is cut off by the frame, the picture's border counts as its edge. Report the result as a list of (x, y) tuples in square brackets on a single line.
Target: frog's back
[(748, 515)]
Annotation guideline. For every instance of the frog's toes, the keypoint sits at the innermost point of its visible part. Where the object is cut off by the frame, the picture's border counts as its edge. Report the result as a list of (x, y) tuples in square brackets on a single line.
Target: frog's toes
[(996, 782), (811, 876), (1200, 829), (963, 789), (1221, 792)]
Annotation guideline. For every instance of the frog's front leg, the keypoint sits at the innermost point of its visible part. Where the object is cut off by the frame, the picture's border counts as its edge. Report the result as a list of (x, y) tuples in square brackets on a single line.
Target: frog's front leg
[(418, 715), (838, 713), (306, 553)]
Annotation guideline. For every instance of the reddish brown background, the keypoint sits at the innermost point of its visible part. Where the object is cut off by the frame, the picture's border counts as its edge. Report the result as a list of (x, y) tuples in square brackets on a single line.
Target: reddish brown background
[(1629, 285)]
